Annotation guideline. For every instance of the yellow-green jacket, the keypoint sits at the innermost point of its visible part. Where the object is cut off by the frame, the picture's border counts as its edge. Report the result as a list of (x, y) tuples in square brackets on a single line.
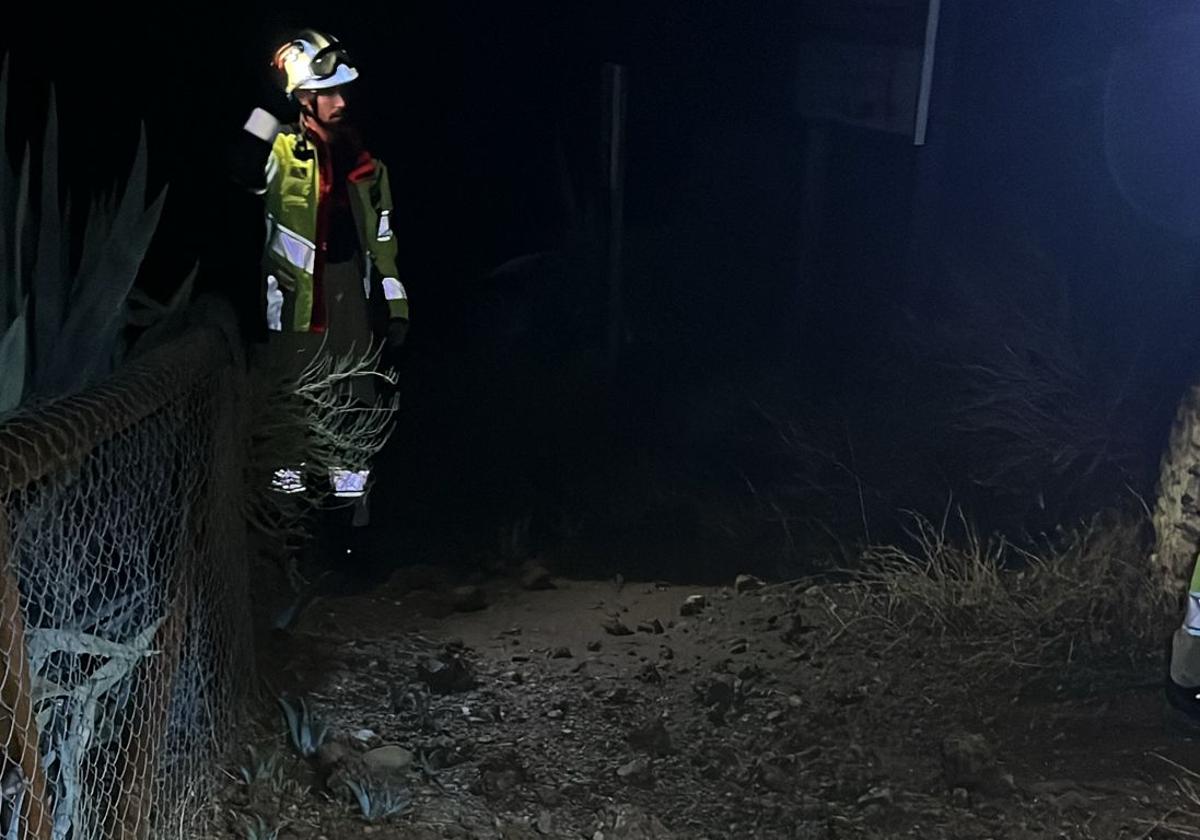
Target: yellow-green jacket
[(297, 190)]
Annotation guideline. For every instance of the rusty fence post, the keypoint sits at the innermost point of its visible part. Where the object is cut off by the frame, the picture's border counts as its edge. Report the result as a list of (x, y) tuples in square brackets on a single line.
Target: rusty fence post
[(18, 730)]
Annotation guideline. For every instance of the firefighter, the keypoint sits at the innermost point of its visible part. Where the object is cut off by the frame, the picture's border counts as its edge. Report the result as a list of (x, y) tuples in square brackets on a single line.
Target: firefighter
[(1183, 676), (329, 281)]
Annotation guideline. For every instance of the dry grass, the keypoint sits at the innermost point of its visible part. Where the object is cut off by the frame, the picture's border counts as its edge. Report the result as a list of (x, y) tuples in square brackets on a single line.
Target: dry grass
[(1085, 597), (313, 421)]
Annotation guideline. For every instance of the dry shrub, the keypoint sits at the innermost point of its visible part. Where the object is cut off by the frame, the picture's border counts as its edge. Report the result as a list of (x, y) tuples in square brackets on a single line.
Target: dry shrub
[(1085, 597)]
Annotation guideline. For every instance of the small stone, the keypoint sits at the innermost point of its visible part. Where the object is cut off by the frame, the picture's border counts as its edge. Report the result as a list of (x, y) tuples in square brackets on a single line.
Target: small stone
[(545, 823), (968, 762), (534, 577), (561, 653), (961, 797), (594, 647), (877, 795), (667, 653), (739, 648), (721, 691), (775, 778), (747, 583), (364, 735), (331, 754), (637, 770), (468, 599), (390, 757), (446, 675), (652, 738), (693, 605), (649, 674), (773, 716), (554, 714), (616, 627)]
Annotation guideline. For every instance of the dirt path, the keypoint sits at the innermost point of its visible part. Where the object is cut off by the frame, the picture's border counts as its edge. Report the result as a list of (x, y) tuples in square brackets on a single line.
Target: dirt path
[(756, 716)]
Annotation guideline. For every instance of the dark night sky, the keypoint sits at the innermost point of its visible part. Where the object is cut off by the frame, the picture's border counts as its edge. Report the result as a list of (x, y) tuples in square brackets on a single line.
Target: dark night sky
[(1064, 128)]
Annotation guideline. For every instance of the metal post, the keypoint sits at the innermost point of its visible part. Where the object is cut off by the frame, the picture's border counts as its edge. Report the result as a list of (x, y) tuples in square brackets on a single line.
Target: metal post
[(18, 728), (931, 34), (614, 159)]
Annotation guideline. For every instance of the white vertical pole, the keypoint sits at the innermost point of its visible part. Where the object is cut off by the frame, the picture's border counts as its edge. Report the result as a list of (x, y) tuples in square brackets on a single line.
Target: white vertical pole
[(931, 33)]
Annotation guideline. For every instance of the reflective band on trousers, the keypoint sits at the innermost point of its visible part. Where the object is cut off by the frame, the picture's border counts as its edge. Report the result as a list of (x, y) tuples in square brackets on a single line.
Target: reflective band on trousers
[(288, 481), (349, 484), (294, 248), (385, 226)]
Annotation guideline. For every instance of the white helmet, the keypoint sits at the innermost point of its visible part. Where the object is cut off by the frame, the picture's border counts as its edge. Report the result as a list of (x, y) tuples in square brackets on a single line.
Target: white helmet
[(313, 61)]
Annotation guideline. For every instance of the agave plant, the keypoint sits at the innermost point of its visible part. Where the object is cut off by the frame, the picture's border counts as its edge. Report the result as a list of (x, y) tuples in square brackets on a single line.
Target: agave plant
[(258, 828), (306, 731), (261, 768), (378, 802), (62, 325)]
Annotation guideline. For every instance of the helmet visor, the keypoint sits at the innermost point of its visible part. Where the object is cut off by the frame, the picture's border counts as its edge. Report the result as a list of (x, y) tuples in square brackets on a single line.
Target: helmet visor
[(325, 62)]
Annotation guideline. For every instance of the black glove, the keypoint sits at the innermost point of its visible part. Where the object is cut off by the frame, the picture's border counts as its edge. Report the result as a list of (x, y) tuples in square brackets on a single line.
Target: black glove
[(275, 102), (397, 331)]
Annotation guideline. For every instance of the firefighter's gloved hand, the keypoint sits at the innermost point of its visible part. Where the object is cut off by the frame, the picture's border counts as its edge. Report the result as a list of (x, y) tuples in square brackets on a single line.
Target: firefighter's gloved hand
[(271, 97), (275, 108), (397, 331)]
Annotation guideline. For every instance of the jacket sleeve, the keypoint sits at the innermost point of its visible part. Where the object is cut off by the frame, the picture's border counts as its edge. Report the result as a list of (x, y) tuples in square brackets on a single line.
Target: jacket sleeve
[(251, 163), (384, 250)]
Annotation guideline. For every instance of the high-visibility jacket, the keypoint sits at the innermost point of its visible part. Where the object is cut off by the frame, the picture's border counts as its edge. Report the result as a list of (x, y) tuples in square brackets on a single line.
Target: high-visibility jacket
[(298, 184)]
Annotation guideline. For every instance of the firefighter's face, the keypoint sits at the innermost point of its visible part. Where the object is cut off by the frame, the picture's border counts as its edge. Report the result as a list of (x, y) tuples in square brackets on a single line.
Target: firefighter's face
[(329, 105)]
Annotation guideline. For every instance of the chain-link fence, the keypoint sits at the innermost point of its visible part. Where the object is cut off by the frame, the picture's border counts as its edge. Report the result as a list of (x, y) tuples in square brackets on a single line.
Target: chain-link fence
[(125, 642)]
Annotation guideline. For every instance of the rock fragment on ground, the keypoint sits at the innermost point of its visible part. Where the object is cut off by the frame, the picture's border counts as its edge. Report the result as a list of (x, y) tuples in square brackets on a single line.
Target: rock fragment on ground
[(747, 583), (694, 605)]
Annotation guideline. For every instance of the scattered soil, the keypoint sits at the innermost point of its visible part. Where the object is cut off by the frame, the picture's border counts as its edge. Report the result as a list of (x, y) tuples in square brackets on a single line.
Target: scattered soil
[(527, 713)]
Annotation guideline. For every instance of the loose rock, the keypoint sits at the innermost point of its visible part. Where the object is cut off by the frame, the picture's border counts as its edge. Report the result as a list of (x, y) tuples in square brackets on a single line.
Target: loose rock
[(693, 605), (468, 599), (390, 757), (616, 627), (534, 576), (747, 583), (446, 675)]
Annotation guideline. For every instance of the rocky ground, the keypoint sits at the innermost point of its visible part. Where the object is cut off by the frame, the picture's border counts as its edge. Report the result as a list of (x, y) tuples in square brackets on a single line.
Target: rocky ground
[(532, 707)]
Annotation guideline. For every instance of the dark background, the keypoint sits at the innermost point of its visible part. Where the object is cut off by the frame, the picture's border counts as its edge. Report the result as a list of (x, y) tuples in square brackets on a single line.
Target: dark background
[(800, 360)]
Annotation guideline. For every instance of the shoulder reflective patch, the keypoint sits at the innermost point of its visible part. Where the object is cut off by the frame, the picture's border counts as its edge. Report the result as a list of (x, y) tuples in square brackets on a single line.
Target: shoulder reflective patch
[(393, 289), (385, 226)]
